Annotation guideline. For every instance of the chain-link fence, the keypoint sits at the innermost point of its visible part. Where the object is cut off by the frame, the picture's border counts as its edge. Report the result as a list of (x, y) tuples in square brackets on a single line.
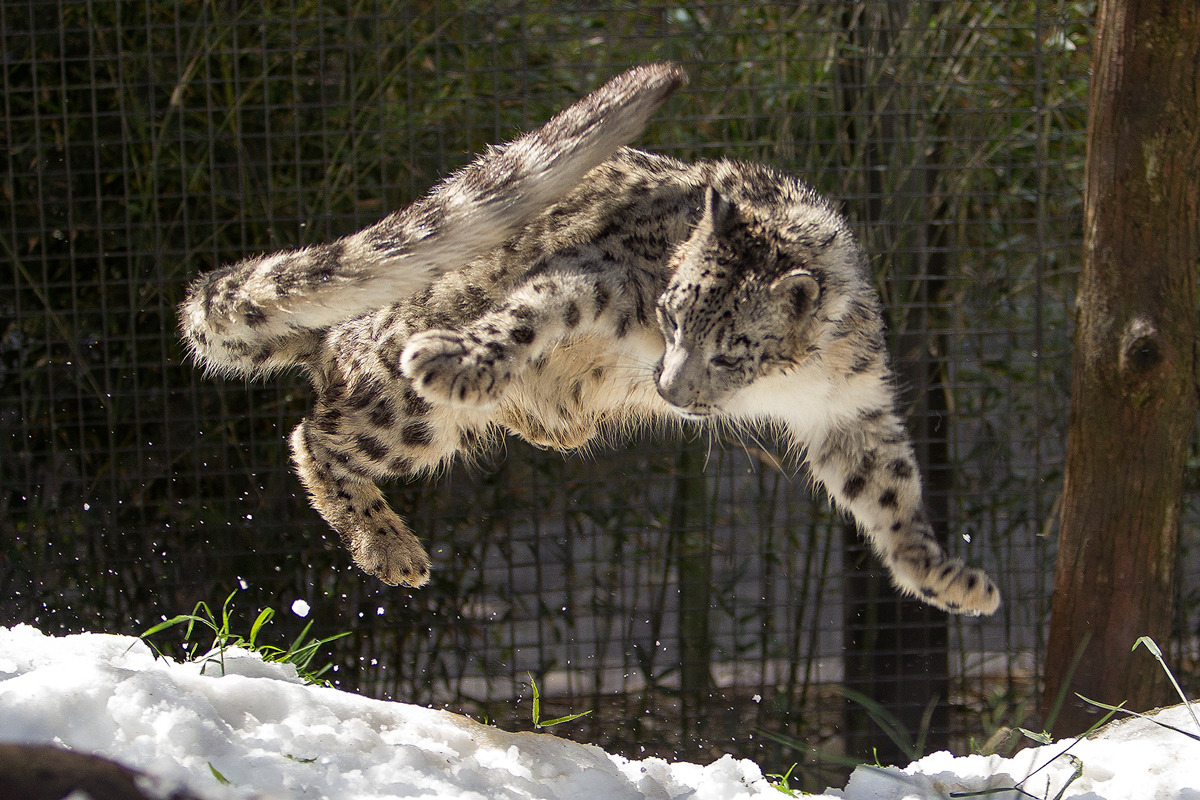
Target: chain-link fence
[(690, 593)]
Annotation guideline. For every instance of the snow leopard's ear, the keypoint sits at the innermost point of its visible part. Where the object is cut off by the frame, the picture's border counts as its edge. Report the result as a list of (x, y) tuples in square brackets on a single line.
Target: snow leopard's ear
[(718, 212), (801, 290)]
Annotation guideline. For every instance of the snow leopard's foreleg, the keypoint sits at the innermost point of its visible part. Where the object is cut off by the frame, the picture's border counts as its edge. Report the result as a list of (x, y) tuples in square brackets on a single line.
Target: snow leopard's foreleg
[(473, 367), (869, 468)]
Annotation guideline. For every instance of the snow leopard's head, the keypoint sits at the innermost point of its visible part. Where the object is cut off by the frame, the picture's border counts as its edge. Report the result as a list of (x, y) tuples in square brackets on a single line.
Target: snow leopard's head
[(747, 297)]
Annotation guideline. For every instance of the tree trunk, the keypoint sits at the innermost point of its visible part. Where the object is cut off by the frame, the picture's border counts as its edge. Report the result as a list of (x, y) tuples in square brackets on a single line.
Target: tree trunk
[(1133, 393)]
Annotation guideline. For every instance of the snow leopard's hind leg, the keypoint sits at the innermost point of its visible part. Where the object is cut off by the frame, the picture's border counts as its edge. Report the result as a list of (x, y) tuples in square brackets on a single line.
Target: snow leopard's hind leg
[(380, 543), (869, 468)]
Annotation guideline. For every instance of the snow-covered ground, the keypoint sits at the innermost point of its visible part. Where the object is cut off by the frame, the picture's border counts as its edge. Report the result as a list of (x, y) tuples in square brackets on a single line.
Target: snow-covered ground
[(259, 732)]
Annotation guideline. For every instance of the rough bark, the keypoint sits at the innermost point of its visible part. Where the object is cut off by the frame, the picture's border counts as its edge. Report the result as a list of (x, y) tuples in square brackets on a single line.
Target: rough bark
[(1133, 392)]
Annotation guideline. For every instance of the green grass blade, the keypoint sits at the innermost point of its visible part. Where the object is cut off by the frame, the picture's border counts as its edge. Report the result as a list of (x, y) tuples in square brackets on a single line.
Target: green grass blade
[(221, 779), (537, 703), (166, 623), (781, 782), (263, 618), (559, 720), (538, 722), (225, 613), (297, 647), (1132, 713), (1150, 645)]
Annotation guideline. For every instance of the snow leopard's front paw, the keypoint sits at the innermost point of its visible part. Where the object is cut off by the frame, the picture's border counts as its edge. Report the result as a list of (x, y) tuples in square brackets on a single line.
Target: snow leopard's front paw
[(923, 570), (448, 369), (955, 587)]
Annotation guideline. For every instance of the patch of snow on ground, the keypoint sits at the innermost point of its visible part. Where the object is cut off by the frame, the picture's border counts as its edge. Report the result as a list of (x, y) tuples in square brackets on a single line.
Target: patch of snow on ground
[(271, 736)]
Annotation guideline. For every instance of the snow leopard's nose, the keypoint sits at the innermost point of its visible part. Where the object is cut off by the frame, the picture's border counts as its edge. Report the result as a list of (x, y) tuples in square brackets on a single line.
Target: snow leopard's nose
[(677, 382)]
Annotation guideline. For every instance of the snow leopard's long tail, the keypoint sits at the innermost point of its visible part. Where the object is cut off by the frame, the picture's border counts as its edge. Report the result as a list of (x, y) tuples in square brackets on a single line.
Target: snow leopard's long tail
[(267, 312)]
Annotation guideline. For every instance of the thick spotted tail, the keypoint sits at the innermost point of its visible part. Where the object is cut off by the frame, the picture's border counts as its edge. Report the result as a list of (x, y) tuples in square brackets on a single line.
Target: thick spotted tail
[(268, 312)]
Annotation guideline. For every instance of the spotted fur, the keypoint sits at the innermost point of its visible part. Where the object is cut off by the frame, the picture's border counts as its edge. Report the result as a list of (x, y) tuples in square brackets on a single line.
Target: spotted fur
[(564, 286)]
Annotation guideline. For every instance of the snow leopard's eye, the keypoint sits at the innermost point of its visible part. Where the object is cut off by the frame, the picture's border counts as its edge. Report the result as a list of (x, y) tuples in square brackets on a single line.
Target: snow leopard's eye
[(723, 361)]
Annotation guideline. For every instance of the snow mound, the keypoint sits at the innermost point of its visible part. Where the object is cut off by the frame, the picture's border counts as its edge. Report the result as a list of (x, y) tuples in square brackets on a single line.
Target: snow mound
[(1133, 759), (269, 735), (257, 731)]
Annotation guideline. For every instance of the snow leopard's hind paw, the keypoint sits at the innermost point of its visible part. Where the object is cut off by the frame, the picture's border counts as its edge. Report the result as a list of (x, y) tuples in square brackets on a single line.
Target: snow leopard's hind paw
[(391, 554)]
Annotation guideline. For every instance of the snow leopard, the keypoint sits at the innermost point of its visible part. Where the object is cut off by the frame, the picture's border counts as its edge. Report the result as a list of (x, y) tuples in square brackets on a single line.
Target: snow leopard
[(565, 288)]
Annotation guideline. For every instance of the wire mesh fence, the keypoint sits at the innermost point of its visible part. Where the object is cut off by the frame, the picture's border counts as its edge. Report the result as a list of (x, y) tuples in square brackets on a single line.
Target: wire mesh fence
[(690, 592)]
